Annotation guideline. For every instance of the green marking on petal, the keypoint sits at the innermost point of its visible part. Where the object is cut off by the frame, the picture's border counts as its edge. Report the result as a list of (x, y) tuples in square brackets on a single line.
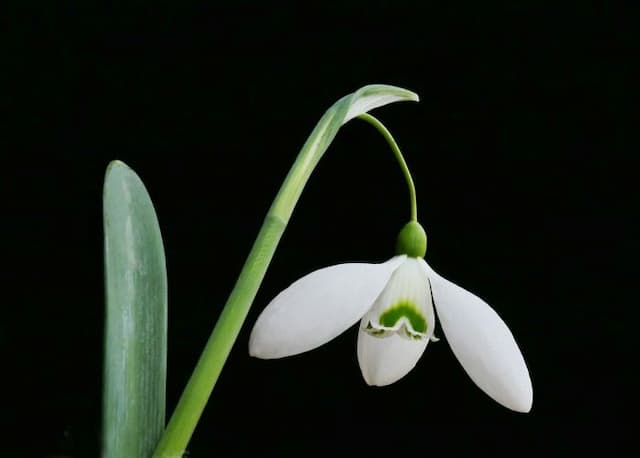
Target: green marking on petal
[(404, 309)]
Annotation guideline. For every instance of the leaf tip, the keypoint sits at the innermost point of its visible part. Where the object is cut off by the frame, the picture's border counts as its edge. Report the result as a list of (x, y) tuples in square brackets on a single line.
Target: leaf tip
[(115, 166)]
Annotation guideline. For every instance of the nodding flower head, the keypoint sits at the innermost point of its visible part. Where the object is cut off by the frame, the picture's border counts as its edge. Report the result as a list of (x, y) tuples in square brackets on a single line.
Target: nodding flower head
[(394, 302)]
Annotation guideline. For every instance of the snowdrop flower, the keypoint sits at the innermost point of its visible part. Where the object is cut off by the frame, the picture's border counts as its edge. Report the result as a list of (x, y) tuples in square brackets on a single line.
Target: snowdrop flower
[(394, 303)]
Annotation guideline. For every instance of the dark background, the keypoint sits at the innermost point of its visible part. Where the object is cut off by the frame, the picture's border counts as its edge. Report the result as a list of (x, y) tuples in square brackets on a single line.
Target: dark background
[(521, 150)]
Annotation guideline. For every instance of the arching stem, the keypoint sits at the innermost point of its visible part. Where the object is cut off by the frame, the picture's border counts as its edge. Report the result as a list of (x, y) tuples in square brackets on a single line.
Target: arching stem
[(398, 154)]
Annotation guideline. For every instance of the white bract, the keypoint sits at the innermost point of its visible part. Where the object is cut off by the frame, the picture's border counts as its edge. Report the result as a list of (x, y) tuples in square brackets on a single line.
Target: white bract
[(394, 302)]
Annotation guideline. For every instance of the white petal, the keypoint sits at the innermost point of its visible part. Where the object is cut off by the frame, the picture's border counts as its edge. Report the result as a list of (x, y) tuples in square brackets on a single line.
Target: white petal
[(384, 360), (388, 350), (318, 307), (482, 343), (405, 305)]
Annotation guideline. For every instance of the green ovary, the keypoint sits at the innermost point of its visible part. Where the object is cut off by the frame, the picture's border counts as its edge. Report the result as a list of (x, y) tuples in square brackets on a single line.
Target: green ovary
[(404, 309)]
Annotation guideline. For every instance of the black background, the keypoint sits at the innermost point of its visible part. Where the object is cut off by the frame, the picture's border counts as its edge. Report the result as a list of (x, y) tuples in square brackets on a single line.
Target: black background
[(521, 149)]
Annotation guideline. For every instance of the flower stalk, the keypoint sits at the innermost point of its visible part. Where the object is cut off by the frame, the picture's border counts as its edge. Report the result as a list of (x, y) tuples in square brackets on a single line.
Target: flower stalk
[(203, 379), (399, 157)]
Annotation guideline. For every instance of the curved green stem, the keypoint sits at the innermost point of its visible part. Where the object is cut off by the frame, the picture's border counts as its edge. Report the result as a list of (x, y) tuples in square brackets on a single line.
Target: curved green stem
[(403, 164), (198, 389)]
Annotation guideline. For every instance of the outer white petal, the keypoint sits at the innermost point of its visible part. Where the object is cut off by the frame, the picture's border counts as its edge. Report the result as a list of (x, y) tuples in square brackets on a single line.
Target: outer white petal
[(384, 360), (482, 343), (318, 307)]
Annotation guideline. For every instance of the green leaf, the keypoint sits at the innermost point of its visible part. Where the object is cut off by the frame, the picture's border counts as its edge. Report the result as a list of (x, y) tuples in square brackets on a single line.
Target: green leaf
[(135, 360)]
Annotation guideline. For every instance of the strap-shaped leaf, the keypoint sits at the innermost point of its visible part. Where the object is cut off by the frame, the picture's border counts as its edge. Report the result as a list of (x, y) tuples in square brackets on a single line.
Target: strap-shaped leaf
[(136, 318)]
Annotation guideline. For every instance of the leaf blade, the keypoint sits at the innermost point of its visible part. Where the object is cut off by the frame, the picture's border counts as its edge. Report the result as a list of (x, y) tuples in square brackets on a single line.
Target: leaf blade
[(136, 318)]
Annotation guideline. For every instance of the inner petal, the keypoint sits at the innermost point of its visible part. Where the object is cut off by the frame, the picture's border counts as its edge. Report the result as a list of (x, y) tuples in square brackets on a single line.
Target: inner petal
[(404, 307)]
